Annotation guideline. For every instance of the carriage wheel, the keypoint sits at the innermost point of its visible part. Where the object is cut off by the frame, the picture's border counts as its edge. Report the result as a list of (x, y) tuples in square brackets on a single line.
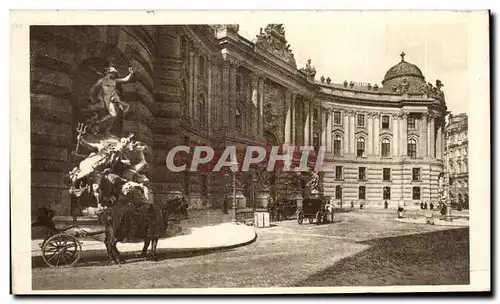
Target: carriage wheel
[(61, 250), (318, 218), (300, 218)]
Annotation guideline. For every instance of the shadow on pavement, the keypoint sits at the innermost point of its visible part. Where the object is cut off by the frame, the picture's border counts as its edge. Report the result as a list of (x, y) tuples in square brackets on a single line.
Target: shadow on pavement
[(435, 258)]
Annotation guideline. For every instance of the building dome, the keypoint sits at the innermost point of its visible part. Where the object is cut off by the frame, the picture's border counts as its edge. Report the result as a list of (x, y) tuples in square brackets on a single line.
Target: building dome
[(403, 69)]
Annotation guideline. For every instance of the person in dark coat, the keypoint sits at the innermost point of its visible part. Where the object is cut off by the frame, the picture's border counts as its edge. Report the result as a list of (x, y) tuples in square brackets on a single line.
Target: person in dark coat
[(386, 205)]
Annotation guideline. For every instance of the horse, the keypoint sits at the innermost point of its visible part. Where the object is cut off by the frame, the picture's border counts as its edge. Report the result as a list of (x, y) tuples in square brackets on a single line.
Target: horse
[(126, 220)]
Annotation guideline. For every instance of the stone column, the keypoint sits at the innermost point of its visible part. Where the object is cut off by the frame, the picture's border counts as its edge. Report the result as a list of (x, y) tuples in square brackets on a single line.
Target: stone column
[(395, 135), (288, 117), (191, 86), (226, 89), (423, 136), (322, 119), (345, 115), (307, 125), (195, 115), (209, 98), (371, 140), (403, 134), (311, 122), (329, 118), (255, 104), (352, 128), (439, 151), (443, 140), (376, 134), (432, 129), (232, 97), (261, 105), (294, 119)]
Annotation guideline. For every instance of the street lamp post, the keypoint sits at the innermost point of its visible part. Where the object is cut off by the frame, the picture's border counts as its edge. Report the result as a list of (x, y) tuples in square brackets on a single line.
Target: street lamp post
[(226, 192), (234, 162), (254, 182), (234, 197)]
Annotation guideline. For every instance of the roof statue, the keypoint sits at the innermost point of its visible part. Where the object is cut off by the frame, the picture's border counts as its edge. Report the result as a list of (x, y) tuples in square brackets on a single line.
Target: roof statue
[(309, 70), (272, 39)]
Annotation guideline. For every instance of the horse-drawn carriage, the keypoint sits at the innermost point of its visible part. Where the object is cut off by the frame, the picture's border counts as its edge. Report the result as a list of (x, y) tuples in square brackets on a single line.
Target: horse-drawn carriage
[(283, 209), (315, 210), (63, 247)]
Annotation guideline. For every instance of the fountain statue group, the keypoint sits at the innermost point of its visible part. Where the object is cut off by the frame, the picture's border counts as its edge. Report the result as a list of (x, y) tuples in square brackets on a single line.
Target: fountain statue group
[(108, 177)]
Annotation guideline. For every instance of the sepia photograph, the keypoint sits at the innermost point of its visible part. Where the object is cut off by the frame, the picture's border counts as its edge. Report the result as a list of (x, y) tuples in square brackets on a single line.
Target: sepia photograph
[(250, 152)]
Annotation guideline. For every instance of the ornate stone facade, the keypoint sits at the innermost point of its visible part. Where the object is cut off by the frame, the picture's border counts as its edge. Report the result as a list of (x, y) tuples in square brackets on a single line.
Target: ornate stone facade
[(456, 159), (207, 85)]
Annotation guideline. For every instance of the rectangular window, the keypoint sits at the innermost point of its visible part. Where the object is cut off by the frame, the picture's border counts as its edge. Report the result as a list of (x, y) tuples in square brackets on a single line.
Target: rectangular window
[(416, 193), (338, 192), (415, 174), (338, 172), (362, 192), (337, 118), (386, 175), (385, 122), (387, 193), (411, 123), (362, 173), (361, 120)]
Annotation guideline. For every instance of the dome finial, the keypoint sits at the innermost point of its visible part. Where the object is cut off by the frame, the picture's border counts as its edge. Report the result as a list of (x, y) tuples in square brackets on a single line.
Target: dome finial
[(402, 55)]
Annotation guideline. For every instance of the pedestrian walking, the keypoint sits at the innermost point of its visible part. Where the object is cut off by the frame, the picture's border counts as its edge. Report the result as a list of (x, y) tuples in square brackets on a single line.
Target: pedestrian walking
[(386, 205), (400, 211)]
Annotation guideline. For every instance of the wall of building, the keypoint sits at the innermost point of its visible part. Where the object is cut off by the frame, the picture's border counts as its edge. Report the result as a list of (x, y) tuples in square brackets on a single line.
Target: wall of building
[(206, 85), (456, 159)]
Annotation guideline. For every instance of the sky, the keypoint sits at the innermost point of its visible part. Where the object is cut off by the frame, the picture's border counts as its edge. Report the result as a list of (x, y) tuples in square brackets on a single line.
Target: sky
[(362, 48)]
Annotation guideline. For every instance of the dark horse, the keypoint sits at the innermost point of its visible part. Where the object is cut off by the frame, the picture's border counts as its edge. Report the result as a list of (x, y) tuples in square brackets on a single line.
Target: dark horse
[(126, 220)]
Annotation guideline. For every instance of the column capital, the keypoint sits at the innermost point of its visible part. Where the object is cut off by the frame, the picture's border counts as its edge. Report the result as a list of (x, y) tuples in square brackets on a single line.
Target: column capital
[(350, 113), (231, 62), (376, 115), (403, 114), (433, 114)]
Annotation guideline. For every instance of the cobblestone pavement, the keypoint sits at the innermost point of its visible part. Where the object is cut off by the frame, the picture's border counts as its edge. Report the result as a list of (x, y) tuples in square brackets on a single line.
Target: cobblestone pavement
[(359, 249)]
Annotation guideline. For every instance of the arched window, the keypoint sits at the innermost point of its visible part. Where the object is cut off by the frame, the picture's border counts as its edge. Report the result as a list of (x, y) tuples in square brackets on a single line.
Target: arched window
[(360, 146), (362, 192), (412, 148), (185, 99), (459, 166), (386, 147), (337, 145), (202, 111), (238, 119)]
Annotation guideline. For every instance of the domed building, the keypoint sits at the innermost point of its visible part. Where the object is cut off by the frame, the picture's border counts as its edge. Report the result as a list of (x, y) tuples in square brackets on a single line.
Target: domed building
[(384, 144), (205, 85)]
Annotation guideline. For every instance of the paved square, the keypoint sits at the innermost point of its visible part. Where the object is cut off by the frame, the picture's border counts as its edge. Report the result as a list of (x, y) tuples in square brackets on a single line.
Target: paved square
[(361, 249)]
